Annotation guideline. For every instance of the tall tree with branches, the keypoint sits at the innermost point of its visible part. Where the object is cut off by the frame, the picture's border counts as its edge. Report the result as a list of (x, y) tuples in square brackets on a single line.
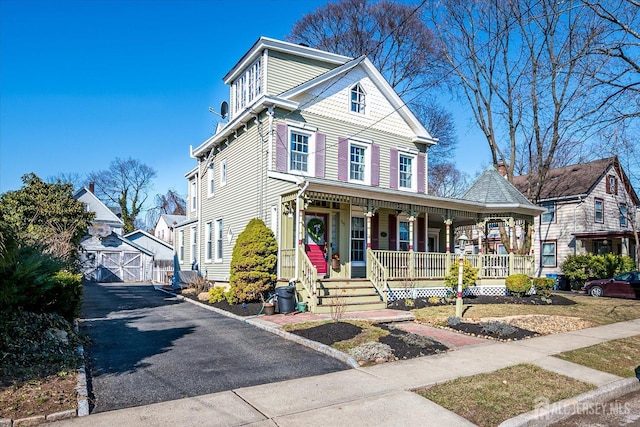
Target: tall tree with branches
[(125, 184), (170, 203), (521, 67), (398, 42)]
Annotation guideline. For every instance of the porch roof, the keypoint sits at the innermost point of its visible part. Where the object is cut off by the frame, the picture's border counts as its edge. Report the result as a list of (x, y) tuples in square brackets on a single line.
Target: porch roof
[(376, 197), (604, 235)]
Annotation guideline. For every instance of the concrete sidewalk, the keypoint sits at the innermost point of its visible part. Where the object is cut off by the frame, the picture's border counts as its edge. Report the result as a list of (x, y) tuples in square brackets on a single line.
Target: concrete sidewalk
[(378, 395)]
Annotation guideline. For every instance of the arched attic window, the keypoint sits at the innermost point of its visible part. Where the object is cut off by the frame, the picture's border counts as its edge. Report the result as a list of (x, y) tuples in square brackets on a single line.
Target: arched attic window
[(358, 97)]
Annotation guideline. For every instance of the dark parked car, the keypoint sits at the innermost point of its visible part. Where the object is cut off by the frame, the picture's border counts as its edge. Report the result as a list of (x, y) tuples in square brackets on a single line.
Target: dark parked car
[(624, 285)]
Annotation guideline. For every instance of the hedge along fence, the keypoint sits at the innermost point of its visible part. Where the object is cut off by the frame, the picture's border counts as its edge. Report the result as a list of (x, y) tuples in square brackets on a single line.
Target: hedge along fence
[(581, 268)]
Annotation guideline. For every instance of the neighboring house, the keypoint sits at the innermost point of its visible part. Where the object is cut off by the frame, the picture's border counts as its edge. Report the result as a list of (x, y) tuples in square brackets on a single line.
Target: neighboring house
[(165, 225), (589, 208), (106, 255), (322, 149), (162, 262)]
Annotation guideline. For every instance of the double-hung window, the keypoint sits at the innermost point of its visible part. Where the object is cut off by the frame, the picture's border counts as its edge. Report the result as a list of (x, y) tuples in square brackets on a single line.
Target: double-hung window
[(599, 211), (358, 98), (299, 149), (194, 195), (549, 215), (209, 239), (357, 239), (194, 244), (406, 173), (623, 215), (358, 154), (548, 258), (181, 245), (403, 235), (210, 180), (223, 173), (218, 239)]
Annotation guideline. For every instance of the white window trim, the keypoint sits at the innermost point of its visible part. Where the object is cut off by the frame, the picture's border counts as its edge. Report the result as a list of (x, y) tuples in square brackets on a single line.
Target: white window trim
[(194, 244), (211, 180), (414, 170), (367, 160), (223, 173), (240, 88), (181, 246), (364, 103), (310, 132), (544, 205), (193, 203), (218, 231), (208, 255), (364, 261), (555, 256), (435, 234)]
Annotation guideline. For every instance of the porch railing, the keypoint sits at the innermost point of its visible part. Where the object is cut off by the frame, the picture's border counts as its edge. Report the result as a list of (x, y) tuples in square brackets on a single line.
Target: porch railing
[(377, 274), (287, 262), (432, 265), (308, 277)]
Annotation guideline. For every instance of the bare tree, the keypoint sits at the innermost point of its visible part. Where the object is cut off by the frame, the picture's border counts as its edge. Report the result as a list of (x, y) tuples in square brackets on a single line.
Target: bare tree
[(521, 67), (124, 184), (77, 180), (447, 181), (170, 203), (392, 35), (440, 124)]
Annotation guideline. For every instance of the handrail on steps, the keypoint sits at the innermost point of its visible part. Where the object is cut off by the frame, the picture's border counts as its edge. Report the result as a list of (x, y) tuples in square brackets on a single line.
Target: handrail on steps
[(308, 278), (378, 275)]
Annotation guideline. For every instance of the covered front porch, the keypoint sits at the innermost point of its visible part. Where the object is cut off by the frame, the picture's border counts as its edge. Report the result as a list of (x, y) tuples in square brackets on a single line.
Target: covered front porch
[(343, 244)]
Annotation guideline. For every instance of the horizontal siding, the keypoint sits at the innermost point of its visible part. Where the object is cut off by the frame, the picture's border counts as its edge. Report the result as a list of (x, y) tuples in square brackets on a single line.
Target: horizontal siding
[(332, 100), (334, 130), (285, 71)]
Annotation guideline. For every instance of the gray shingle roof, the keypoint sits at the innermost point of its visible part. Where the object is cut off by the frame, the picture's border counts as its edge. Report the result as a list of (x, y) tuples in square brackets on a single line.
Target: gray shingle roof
[(493, 189)]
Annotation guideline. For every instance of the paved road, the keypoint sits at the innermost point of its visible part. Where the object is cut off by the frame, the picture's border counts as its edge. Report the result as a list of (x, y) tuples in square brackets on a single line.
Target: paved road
[(147, 347)]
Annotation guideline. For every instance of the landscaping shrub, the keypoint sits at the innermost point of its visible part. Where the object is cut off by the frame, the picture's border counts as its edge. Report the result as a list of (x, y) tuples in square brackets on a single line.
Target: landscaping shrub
[(518, 284), (580, 268), (469, 275), (543, 286), (253, 262), (218, 294), (498, 328)]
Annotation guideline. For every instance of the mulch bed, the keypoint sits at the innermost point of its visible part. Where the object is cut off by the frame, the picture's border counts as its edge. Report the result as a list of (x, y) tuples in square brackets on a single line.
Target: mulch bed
[(406, 345), (329, 333), (476, 330), (246, 309), (485, 299)]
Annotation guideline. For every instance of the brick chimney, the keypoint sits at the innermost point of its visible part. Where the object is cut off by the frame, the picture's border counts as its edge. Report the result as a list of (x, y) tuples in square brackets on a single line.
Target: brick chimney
[(502, 168), (92, 187)]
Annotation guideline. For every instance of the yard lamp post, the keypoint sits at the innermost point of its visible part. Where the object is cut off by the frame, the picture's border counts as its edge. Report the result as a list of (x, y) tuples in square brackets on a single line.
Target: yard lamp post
[(462, 242)]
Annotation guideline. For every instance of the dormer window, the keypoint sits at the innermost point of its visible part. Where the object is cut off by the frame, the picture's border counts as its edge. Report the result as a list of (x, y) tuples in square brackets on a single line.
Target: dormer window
[(247, 87), (358, 97)]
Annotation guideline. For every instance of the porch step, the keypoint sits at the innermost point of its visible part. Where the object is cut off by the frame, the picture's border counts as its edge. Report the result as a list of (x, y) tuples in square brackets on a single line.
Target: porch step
[(350, 294)]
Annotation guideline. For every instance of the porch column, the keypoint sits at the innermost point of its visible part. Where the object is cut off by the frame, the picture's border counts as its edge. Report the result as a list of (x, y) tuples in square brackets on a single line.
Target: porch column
[(625, 246), (480, 228), (447, 223), (368, 215), (512, 241), (412, 264)]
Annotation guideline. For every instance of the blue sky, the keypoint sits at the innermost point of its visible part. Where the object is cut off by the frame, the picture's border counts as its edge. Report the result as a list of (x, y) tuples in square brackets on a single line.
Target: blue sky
[(84, 82)]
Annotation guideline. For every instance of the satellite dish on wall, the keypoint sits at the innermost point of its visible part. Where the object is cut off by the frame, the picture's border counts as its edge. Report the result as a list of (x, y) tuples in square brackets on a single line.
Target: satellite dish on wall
[(224, 109)]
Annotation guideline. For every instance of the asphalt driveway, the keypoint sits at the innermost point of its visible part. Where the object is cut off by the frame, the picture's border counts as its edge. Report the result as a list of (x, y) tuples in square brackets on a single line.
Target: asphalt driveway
[(147, 347)]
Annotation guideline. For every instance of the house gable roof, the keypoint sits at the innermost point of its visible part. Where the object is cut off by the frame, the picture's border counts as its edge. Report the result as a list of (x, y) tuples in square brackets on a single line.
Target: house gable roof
[(421, 134), (172, 220), (137, 233), (576, 180), (104, 214), (491, 188)]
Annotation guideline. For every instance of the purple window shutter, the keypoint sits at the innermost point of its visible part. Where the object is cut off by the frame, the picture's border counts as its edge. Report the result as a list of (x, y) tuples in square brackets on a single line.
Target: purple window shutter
[(375, 233), (393, 168), (281, 147), (421, 168), (422, 247), (343, 159), (393, 232), (375, 165), (320, 154)]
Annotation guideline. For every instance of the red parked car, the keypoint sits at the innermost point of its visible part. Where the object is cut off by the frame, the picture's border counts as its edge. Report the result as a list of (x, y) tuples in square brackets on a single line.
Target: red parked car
[(624, 285)]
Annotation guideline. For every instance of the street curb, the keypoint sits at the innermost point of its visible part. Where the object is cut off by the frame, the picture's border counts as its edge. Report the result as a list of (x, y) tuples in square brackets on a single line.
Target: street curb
[(81, 387), (254, 321), (558, 411)]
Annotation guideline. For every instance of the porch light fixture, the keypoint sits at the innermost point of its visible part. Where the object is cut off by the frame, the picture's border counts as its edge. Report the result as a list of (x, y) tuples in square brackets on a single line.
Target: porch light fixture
[(462, 243)]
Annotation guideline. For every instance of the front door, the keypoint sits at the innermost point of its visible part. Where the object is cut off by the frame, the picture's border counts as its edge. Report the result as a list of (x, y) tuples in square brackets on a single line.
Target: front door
[(316, 240)]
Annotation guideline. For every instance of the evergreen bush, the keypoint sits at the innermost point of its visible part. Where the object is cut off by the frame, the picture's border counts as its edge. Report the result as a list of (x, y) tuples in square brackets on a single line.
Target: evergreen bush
[(469, 275), (543, 286), (518, 284), (253, 262), (580, 268)]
